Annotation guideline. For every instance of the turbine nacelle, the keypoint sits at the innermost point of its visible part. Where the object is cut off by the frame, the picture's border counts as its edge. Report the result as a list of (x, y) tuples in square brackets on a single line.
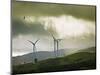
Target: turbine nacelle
[(59, 40)]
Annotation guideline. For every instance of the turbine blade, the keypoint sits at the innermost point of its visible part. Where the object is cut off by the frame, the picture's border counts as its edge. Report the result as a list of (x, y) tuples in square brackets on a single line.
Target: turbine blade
[(36, 41), (53, 37), (31, 42)]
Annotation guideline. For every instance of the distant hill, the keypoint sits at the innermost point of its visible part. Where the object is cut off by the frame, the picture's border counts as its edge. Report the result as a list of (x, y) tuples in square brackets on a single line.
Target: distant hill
[(76, 61), (42, 55), (91, 50)]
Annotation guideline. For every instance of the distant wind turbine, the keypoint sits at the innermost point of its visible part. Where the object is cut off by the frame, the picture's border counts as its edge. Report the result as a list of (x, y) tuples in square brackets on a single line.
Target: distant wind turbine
[(34, 50), (56, 45)]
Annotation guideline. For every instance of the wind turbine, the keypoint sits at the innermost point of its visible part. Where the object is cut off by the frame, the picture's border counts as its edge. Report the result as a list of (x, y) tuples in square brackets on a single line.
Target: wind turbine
[(54, 45), (34, 50)]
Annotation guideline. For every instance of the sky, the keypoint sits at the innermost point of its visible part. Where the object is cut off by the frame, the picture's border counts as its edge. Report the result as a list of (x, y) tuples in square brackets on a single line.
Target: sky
[(74, 24)]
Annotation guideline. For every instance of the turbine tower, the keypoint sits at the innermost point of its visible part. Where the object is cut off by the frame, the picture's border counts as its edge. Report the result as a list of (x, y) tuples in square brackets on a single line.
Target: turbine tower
[(58, 40), (34, 50)]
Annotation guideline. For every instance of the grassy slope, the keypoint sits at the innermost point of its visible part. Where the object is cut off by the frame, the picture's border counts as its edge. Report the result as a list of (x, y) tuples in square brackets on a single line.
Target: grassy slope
[(77, 61)]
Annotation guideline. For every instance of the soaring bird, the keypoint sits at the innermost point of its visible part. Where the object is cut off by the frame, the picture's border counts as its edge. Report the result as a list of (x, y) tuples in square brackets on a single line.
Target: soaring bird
[(24, 17)]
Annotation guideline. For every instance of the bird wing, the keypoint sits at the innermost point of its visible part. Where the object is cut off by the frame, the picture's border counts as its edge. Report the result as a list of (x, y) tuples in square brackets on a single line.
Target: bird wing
[(24, 17)]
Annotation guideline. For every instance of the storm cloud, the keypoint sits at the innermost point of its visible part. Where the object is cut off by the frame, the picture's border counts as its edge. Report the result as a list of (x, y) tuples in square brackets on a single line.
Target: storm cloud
[(75, 24), (53, 9), (20, 27)]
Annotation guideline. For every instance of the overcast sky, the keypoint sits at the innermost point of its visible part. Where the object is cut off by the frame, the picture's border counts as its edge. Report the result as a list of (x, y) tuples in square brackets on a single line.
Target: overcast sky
[(75, 24)]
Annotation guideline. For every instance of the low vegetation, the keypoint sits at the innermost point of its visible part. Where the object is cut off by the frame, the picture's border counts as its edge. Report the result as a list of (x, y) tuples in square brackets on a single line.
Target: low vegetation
[(76, 61)]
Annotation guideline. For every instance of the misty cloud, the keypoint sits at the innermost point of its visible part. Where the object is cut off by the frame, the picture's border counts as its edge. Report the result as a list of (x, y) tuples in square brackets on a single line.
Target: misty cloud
[(20, 27), (68, 26)]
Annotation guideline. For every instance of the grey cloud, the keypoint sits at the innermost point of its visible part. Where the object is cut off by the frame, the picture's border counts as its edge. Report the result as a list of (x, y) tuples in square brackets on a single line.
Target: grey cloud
[(19, 27), (51, 9)]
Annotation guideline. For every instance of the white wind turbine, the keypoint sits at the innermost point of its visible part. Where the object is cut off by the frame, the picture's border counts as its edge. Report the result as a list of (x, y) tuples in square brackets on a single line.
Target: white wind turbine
[(34, 50), (56, 45)]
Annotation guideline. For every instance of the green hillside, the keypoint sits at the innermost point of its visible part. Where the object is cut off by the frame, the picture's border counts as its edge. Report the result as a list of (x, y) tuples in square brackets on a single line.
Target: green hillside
[(77, 61)]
